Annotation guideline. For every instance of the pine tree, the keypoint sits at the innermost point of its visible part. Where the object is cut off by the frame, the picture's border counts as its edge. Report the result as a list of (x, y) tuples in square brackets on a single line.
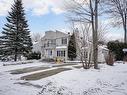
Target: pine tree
[(15, 39), (72, 47)]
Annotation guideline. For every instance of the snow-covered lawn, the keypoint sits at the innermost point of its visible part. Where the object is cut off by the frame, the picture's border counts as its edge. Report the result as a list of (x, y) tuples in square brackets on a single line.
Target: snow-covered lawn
[(109, 80)]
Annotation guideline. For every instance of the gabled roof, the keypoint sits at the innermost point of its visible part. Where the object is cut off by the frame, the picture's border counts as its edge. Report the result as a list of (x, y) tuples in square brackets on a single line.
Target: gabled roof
[(54, 35)]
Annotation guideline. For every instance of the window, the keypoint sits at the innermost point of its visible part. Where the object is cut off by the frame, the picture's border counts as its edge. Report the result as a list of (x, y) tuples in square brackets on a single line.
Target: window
[(48, 44), (53, 42), (51, 52), (64, 40), (64, 53), (58, 53), (61, 53)]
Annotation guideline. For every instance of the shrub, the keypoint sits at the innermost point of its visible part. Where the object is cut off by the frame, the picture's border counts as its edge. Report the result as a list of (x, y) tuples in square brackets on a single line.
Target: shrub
[(117, 48), (48, 60), (34, 55), (110, 59)]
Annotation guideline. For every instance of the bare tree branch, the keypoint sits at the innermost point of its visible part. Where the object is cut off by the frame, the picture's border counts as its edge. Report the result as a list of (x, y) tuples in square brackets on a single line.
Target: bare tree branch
[(118, 11)]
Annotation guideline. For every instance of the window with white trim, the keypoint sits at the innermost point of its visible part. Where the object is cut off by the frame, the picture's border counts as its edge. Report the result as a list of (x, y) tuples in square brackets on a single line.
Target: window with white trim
[(61, 53), (64, 41)]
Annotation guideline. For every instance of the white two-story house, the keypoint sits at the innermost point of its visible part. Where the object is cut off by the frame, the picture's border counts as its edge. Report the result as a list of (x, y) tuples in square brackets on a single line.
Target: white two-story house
[(54, 45)]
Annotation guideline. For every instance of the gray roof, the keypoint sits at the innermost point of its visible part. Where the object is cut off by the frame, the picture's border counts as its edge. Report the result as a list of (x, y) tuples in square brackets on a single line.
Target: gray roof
[(54, 35)]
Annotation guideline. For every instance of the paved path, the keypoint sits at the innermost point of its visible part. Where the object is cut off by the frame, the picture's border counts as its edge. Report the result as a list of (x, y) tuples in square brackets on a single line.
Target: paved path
[(39, 72)]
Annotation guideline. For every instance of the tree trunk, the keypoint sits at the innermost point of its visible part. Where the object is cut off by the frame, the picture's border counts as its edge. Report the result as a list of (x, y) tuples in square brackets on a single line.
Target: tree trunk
[(125, 30), (15, 59), (89, 61), (95, 38), (82, 61), (125, 35)]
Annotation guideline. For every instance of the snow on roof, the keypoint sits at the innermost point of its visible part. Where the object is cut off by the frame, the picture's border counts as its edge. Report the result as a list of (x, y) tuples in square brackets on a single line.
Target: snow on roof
[(54, 35), (61, 47), (35, 43), (103, 47)]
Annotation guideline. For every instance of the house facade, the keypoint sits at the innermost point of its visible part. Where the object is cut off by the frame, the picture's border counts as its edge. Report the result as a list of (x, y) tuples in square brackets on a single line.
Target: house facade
[(54, 45)]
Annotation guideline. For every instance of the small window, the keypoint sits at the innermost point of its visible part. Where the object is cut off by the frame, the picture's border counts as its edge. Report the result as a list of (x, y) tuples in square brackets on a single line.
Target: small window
[(48, 44), (58, 53), (52, 42), (64, 40)]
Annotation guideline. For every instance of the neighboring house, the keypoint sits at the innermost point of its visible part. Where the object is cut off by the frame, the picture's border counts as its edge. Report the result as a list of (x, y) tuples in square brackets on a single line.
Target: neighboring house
[(84, 47), (54, 45), (87, 48), (102, 53)]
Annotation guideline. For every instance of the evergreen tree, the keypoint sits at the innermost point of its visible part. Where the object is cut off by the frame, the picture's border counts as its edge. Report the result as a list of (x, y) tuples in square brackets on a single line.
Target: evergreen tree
[(15, 39), (117, 47), (72, 47)]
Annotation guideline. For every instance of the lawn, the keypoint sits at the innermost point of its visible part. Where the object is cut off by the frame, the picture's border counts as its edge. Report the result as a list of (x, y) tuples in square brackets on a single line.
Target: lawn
[(63, 79)]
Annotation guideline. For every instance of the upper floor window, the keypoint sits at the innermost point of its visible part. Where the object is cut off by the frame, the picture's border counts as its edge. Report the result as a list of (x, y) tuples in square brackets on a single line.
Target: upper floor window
[(48, 44), (53, 42), (64, 40)]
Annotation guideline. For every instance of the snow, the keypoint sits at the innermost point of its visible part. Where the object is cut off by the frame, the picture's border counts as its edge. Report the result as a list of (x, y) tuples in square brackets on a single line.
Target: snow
[(36, 47), (103, 47), (61, 47), (20, 66), (108, 80)]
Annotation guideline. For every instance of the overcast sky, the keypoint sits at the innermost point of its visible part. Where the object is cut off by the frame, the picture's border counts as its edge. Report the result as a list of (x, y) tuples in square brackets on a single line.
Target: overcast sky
[(43, 15)]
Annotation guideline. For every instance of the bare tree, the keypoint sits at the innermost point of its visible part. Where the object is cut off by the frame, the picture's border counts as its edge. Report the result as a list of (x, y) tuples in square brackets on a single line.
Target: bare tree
[(118, 13), (36, 37), (86, 45), (103, 30), (84, 41), (86, 11), (82, 33)]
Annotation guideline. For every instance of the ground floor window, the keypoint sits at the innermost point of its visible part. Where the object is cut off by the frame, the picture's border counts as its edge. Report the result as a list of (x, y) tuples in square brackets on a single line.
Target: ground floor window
[(49, 52), (61, 53)]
